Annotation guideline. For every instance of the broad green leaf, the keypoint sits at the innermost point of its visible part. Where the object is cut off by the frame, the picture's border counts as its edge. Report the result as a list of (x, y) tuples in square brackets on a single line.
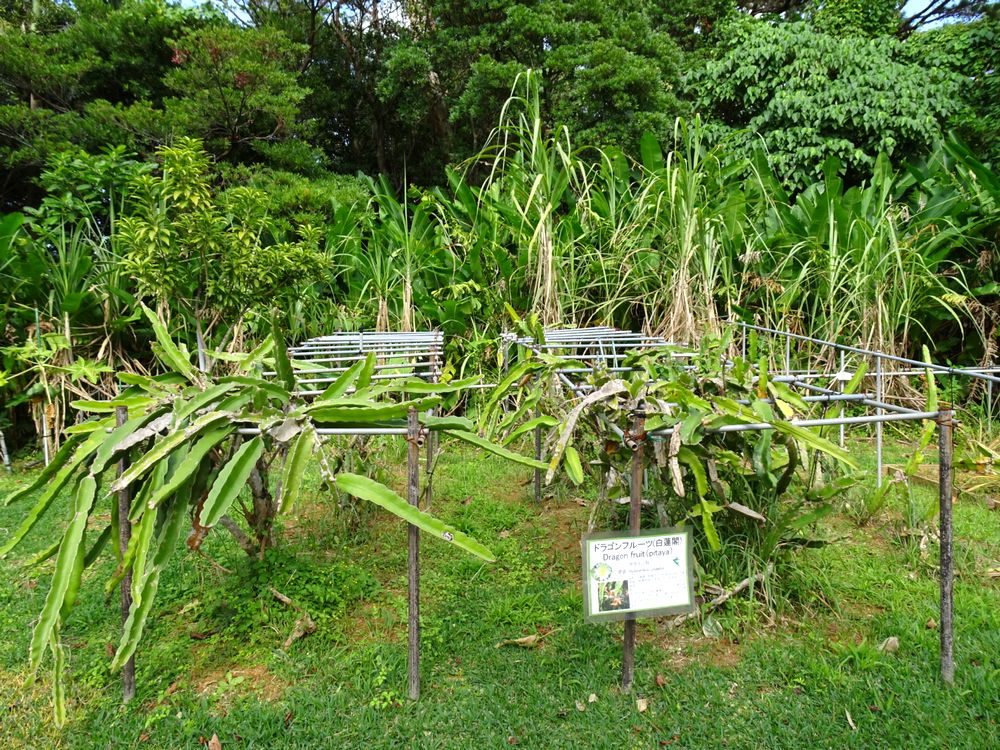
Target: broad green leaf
[(422, 386), (709, 526), (117, 437), (299, 454), (366, 372), (145, 593), (932, 394), (274, 391), (91, 425), (364, 414), (187, 468), (201, 399), (167, 445), (574, 469), (98, 407), (542, 421), (499, 450), (690, 425), (58, 678), (444, 423), (62, 578), (690, 459), (172, 356), (342, 384), (232, 478), (374, 492)]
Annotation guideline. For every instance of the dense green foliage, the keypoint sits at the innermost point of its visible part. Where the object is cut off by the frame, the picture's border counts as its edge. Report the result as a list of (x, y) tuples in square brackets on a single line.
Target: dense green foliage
[(263, 168)]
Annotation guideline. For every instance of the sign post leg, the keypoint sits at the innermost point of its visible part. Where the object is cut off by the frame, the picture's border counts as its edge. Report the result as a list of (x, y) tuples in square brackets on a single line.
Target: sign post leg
[(634, 523)]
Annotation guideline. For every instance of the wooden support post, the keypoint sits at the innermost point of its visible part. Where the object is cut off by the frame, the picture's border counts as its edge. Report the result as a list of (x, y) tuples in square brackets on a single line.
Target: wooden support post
[(634, 523), (945, 440), (413, 557), (124, 535)]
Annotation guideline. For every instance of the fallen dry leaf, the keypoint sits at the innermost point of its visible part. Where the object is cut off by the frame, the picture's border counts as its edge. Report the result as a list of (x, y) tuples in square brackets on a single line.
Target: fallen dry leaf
[(581, 706), (214, 744), (641, 704), (661, 681), (850, 721), (592, 698), (931, 624)]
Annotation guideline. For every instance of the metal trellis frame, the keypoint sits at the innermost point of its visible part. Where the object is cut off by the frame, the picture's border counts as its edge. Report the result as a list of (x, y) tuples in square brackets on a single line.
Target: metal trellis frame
[(322, 360), (605, 349)]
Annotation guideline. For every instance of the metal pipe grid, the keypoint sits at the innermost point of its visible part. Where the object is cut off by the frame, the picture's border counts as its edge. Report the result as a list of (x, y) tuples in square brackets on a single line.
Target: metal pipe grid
[(611, 345), (800, 379), (418, 354)]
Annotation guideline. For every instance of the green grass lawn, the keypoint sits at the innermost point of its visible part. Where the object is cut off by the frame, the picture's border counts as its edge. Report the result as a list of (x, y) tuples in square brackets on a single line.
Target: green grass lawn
[(805, 672)]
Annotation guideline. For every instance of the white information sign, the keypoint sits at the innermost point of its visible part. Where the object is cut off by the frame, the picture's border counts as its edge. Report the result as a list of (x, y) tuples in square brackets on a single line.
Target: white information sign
[(645, 575)]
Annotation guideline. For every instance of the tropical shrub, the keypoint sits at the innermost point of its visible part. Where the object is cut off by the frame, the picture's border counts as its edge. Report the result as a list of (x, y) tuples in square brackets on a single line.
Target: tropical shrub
[(191, 443), (754, 493)]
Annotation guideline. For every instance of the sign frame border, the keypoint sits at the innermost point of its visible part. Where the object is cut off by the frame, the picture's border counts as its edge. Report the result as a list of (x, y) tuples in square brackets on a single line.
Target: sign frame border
[(634, 614)]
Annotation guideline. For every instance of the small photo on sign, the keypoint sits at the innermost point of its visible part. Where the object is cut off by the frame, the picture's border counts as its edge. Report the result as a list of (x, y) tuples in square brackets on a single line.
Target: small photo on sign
[(614, 596), (644, 575)]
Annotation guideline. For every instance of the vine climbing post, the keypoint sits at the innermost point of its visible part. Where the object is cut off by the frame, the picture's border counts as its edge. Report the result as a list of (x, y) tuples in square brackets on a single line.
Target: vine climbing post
[(636, 441), (124, 535), (413, 554), (945, 437)]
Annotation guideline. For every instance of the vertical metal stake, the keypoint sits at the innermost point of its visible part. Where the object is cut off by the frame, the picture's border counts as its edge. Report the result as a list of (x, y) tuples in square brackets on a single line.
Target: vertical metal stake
[(945, 444), (124, 535), (878, 425), (841, 383), (431, 453), (634, 523), (788, 354), (989, 400), (538, 457), (413, 556)]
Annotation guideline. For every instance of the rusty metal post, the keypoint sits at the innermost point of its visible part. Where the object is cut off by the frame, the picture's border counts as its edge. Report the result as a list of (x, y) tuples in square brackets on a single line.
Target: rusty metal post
[(431, 460), (945, 444), (634, 523), (538, 457), (413, 554), (124, 535)]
